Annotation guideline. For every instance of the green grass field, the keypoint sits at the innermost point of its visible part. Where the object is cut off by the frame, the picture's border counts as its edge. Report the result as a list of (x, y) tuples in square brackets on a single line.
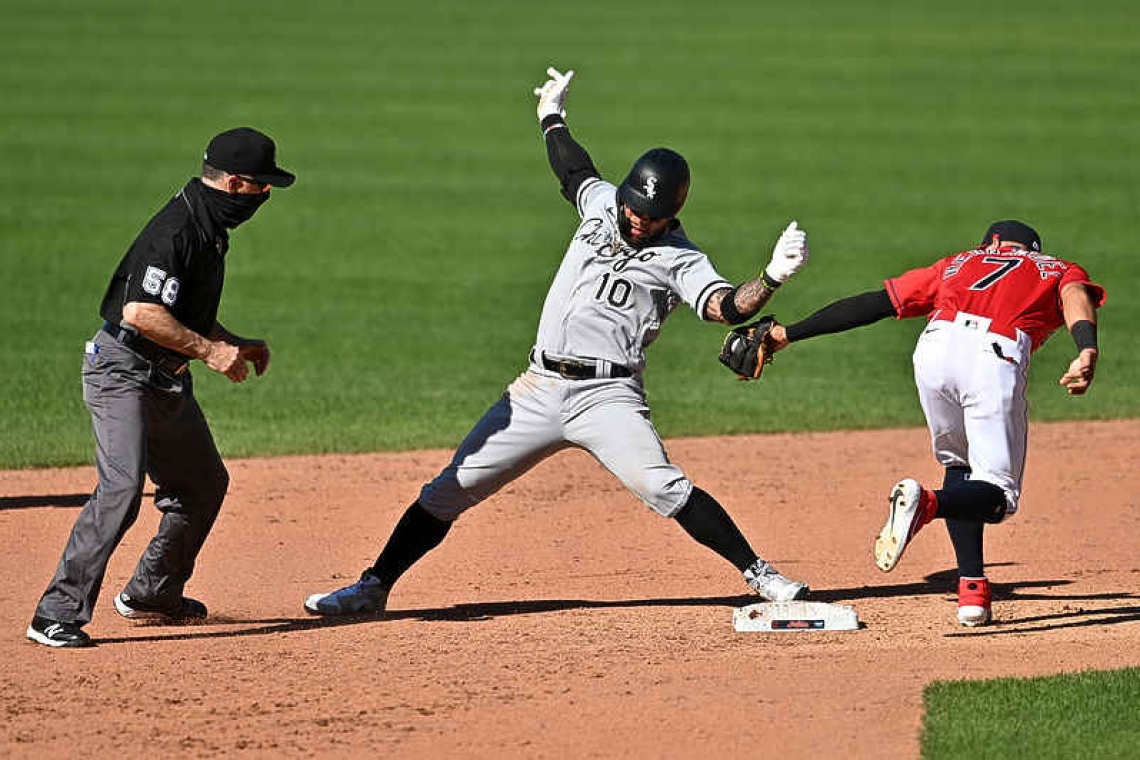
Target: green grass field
[(399, 282), (1087, 714)]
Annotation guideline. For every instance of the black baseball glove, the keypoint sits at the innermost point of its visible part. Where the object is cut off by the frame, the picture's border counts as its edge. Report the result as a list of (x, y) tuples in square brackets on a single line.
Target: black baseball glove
[(747, 348)]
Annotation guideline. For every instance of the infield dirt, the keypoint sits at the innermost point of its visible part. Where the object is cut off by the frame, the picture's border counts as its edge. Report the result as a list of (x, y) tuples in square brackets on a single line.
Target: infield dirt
[(562, 618)]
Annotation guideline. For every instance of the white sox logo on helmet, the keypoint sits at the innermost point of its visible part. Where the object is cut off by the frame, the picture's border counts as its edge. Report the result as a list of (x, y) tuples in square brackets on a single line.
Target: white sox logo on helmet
[(651, 187)]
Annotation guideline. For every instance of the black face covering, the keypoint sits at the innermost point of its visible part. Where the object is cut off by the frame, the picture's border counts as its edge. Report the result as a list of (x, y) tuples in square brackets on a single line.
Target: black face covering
[(231, 210)]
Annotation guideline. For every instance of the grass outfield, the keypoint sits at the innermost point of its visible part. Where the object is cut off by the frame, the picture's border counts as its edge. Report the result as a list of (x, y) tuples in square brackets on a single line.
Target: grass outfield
[(1090, 714), (399, 282)]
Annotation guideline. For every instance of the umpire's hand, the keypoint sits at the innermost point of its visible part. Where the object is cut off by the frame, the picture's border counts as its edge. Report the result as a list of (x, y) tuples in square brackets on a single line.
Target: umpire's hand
[(256, 351), (229, 360)]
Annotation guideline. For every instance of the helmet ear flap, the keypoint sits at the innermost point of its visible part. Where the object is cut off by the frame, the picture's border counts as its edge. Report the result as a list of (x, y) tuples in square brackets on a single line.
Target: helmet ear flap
[(623, 225), (682, 195), (623, 195)]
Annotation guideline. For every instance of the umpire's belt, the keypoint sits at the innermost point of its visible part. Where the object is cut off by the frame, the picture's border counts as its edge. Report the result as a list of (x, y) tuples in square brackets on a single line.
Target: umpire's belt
[(175, 364), (582, 369)]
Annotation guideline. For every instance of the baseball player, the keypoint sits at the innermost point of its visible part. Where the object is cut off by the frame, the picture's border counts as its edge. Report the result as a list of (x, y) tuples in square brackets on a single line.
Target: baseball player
[(989, 309), (160, 311), (629, 264)]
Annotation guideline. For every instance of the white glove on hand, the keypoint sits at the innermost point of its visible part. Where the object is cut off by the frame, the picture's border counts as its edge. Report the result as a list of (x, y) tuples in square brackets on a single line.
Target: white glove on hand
[(552, 95), (789, 255)]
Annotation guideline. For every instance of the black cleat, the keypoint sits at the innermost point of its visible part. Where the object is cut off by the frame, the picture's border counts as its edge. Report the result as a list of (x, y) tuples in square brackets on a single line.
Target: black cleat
[(53, 633), (187, 609)]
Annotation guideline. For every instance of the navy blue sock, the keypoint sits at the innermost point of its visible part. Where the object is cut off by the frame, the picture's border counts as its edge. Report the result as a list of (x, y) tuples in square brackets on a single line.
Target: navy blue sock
[(968, 540), (705, 520), (967, 537), (416, 534), (971, 501), (955, 474)]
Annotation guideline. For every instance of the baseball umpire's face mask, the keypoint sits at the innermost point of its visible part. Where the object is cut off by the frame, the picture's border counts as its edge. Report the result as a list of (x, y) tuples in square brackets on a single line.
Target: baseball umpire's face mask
[(233, 208)]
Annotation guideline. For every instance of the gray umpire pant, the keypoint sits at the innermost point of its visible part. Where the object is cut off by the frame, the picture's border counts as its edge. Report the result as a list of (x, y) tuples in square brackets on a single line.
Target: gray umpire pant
[(145, 421)]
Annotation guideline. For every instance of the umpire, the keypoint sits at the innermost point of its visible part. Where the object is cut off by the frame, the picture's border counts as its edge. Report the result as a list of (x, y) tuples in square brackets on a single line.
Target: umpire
[(160, 312)]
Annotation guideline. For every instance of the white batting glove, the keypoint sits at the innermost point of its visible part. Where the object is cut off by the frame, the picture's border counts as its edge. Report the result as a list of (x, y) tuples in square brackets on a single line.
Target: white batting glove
[(789, 255), (552, 95)]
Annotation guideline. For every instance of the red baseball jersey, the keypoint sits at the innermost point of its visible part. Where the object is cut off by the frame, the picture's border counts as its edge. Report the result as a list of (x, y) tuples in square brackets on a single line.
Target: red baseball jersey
[(1016, 289)]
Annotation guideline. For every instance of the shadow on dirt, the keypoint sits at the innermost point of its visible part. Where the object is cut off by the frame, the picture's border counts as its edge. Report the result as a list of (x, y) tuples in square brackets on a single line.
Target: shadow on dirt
[(50, 500), (474, 612), (1076, 610), (941, 583), (1078, 617)]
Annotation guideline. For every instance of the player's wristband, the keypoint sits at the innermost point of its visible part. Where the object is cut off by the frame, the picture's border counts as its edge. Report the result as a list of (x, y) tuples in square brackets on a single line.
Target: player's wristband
[(1084, 334), (728, 308), (551, 122), (768, 282)]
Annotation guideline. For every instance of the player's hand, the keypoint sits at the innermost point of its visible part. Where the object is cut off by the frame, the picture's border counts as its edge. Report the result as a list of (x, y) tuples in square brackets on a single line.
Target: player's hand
[(1081, 371), (227, 359), (256, 351), (552, 94), (789, 255), (778, 338)]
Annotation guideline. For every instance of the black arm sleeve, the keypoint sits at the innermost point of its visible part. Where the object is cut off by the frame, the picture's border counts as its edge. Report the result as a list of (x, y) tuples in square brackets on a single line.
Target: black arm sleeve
[(569, 160), (844, 314)]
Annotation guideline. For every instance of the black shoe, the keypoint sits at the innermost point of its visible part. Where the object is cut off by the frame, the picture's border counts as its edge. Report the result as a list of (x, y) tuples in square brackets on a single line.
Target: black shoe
[(52, 633), (188, 609)]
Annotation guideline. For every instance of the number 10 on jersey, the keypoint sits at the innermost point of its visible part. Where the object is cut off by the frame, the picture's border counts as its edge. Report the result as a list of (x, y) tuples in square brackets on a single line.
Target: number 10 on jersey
[(614, 291)]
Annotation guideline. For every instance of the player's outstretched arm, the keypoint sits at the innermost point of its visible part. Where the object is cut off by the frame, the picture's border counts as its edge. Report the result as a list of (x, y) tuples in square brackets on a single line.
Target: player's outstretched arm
[(569, 160), (739, 304), (838, 316), (747, 349), (1080, 316)]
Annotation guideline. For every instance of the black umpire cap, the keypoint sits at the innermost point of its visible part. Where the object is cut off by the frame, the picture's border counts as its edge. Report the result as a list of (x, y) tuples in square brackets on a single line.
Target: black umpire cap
[(1015, 232), (247, 152)]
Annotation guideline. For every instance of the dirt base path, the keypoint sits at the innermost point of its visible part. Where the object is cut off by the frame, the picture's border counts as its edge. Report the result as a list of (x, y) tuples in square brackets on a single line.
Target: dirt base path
[(562, 618)]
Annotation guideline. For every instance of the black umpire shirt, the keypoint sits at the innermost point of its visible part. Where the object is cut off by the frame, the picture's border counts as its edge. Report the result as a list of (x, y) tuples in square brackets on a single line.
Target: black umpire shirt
[(177, 261)]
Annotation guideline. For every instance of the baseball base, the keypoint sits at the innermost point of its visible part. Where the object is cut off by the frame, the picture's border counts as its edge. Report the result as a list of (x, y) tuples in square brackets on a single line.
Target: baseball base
[(778, 617)]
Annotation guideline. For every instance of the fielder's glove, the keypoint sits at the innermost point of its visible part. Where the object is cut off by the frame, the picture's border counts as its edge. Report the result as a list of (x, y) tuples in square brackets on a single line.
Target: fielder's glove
[(552, 94), (747, 348)]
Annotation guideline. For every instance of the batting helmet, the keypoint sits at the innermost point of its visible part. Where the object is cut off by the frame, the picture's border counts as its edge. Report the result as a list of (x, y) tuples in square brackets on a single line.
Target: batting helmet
[(1015, 232), (656, 187)]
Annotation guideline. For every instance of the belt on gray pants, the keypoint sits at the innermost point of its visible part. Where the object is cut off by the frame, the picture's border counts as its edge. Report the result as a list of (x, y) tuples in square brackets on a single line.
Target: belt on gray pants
[(580, 369), (175, 364)]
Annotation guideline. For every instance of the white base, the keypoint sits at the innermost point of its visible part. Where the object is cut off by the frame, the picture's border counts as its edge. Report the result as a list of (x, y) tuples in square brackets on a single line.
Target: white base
[(780, 617)]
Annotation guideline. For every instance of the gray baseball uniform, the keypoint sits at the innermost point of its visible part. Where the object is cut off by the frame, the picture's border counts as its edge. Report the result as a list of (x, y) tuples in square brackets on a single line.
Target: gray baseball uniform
[(145, 421), (606, 304), (628, 266)]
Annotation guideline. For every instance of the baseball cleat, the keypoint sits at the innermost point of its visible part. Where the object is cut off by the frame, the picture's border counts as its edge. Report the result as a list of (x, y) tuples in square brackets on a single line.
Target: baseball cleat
[(135, 609), (765, 581), (367, 595), (52, 633), (974, 601), (912, 506)]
